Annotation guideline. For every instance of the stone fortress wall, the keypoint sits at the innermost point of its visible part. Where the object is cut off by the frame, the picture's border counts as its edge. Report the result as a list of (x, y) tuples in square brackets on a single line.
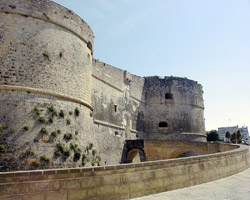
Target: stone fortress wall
[(56, 99), (46, 63), (60, 107), (125, 111)]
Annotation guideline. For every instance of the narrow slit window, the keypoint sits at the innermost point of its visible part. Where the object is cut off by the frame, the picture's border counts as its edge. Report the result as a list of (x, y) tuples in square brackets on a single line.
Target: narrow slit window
[(169, 95), (89, 45), (163, 124), (115, 108)]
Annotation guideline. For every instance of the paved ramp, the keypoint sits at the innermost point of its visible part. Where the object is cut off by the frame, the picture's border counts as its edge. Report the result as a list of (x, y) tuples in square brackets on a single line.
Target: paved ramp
[(236, 187)]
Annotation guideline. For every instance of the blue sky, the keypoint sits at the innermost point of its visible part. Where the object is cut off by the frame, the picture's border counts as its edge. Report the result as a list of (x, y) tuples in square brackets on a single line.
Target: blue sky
[(206, 41)]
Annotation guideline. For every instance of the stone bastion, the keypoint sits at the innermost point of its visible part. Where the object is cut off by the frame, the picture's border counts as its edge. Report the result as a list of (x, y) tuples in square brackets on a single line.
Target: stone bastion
[(45, 82)]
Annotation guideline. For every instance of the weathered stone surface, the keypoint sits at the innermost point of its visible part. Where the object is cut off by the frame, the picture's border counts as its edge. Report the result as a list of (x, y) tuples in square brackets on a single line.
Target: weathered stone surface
[(153, 177)]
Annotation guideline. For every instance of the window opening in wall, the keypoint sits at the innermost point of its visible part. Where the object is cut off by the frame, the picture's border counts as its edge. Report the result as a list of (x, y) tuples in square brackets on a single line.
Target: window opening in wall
[(163, 124), (115, 108), (169, 95), (116, 133), (89, 45)]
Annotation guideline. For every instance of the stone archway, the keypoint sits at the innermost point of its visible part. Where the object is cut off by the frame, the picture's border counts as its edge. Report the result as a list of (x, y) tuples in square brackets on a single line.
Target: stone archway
[(133, 151), (135, 155)]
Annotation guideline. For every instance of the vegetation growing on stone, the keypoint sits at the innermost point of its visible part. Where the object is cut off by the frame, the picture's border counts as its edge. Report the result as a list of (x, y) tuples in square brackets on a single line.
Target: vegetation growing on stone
[(94, 152), (70, 112), (60, 54), (77, 154), (54, 134), (50, 120), (73, 146), (67, 136), (44, 131), (26, 128), (77, 112), (46, 55), (15, 104), (35, 163), (68, 121), (66, 153), (61, 150), (29, 152), (44, 159), (61, 113), (2, 148), (37, 110), (76, 132), (42, 120), (89, 147), (52, 110), (84, 160), (1, 127), (21, 155)]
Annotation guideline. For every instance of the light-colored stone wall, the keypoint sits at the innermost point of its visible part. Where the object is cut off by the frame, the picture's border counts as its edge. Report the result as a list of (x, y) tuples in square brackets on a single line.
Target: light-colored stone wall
[(43, 55), (46, 60), (117, 114), (18, 111), (184, 113), (122, 181), (160, 150)]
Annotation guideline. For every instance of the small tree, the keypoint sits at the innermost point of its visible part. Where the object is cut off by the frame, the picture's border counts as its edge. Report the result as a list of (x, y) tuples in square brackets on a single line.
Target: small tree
[(213, 135), (234, 138), (228, 136), (238, 137)]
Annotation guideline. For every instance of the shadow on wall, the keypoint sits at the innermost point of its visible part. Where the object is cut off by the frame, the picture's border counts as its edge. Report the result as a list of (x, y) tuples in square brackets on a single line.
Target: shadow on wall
[(182, 154), (133, 151)]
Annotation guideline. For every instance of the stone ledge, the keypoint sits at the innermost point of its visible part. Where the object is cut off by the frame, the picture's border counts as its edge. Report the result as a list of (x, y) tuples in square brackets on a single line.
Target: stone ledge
[(44, 92)]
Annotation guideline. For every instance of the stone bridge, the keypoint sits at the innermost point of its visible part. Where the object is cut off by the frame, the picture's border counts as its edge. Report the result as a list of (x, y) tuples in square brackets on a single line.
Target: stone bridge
[(151, 150)]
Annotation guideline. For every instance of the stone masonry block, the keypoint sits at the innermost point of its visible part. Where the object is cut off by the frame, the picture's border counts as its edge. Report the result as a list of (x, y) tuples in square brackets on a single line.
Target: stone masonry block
[(44, 186), (77, 194), (70, 184), (60, 195), (111, 180)]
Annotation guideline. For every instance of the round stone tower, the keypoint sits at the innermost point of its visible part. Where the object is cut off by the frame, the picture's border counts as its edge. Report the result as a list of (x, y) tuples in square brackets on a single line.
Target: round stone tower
[(174, 109), (45, 85)]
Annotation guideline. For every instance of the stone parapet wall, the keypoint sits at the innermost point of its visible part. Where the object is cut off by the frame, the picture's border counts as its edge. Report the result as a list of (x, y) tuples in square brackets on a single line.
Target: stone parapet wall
[(160, 150), (122, 181)]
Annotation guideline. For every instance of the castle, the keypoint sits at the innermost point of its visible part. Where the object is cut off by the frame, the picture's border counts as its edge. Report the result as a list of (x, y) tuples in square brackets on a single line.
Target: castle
[(60, 107)]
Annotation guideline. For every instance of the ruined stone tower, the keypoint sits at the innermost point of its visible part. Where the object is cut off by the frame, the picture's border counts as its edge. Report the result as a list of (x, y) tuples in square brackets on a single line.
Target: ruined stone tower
[(59, 107)]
